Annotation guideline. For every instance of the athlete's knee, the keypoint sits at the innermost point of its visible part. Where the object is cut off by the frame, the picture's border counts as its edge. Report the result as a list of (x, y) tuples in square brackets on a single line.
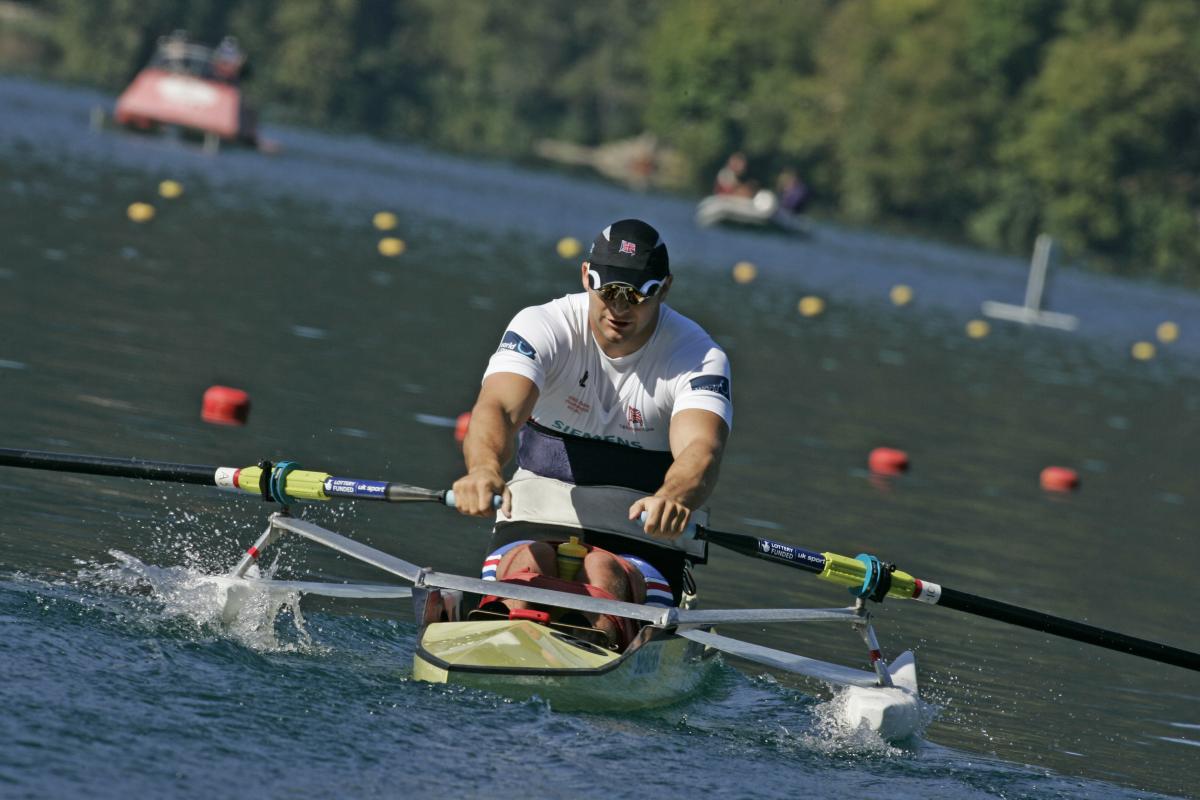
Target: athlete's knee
[(536, 557), (602, 569)]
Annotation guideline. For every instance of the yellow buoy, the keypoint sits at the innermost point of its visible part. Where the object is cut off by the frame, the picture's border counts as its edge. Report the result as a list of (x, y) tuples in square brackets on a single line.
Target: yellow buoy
[(901, 295), (978, 328), (170, 189), (569, 247), (384, 220), (1168, 332), (744, 272), (811, 306), (140, 212), (391, 246), (1142, 351)]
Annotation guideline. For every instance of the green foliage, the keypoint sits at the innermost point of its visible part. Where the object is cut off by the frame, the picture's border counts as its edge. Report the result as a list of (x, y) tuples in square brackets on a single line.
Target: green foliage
[(990, 120)]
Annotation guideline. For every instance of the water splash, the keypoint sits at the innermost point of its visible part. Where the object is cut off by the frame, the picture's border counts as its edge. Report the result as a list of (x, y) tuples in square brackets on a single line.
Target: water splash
[(252, 614)]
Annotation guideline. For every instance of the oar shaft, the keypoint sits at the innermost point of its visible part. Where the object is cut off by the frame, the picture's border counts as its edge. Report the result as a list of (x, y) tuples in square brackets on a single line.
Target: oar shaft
[(298, 484), (766, 549), (853, 573), (1066, 628), (115, 467)]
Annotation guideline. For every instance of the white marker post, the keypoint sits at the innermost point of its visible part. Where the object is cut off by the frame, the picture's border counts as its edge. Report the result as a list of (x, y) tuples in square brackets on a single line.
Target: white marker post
[(1031, 313)]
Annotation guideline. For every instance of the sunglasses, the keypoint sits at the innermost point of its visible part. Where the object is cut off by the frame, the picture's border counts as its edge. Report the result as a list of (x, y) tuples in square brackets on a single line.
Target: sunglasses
[(634, 297), (630, 295)]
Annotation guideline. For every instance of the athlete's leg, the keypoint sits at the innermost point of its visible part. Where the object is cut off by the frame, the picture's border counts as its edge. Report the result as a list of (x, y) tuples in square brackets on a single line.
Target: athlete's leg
[(535, 557), (603, 569)]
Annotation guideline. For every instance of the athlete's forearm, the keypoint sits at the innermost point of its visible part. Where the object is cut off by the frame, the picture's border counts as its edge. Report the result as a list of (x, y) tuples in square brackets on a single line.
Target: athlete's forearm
[(489, 440), (693, 475)]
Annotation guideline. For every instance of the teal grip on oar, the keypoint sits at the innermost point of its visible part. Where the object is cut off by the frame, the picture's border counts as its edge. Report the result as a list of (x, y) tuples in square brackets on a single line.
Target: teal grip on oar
[(497, 500)]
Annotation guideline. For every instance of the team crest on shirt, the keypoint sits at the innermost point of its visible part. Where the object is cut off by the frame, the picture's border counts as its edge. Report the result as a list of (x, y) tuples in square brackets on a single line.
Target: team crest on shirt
[(636, 421)]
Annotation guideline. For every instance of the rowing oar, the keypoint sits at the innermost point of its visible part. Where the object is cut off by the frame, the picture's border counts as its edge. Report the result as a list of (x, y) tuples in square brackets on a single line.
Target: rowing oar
[(868, 577), (282, 482)]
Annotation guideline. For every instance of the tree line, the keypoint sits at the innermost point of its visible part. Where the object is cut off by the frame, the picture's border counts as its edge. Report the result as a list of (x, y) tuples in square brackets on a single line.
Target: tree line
[(986, 121)]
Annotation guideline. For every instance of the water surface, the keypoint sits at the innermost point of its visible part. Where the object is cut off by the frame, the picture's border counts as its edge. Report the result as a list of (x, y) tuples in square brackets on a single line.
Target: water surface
[(264, 275)]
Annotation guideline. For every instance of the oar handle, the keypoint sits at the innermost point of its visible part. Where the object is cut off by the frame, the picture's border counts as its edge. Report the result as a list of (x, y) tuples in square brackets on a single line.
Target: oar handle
[(497, 500)]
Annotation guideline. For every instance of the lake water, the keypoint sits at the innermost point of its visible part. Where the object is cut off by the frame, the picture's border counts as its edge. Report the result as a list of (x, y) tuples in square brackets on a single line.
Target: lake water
[(117, 679)]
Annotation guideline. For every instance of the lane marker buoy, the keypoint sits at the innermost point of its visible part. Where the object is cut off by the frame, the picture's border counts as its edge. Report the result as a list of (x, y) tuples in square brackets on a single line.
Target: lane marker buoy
[(384, 220), (170, 189), (810, 306), (977, 329), (391, 247), (901, 295), (887, 461), (224, 405), (568, 247), (1059, 479), (1142, 351), (140, 212), (1167, 332), (744, 272), (461, 423)]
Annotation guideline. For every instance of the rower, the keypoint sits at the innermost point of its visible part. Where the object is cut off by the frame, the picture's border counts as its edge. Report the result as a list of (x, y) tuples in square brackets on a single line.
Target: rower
[(615, 406)]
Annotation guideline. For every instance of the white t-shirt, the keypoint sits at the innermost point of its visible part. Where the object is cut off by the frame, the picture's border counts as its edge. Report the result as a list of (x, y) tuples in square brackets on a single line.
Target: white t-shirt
[(627, 400)]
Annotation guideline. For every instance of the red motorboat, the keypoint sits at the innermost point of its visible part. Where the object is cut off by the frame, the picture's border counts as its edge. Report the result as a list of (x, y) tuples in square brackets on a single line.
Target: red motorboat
[(194, 88)]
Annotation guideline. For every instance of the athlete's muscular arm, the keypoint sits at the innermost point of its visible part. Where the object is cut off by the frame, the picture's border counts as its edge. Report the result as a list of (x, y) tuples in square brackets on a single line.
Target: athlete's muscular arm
[(505, 401), (697, 442)]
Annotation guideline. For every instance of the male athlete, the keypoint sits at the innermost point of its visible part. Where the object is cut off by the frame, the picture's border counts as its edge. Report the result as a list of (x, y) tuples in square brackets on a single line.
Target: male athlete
[(609, 387)]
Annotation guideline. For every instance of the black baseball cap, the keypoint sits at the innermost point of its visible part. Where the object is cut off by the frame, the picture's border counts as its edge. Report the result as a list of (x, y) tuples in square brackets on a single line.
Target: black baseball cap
[(630, 252)]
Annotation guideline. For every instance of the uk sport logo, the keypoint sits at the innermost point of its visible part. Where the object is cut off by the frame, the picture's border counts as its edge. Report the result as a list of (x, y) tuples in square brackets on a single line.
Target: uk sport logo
[(628, 248), (712, 383)]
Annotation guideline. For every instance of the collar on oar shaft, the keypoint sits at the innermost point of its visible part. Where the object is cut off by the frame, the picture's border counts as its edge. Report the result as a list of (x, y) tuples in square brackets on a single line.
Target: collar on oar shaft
[(283, 482)]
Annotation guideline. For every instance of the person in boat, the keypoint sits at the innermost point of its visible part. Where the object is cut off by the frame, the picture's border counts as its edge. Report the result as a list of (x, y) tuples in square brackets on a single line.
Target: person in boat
[(731, 178), (228, 60), (173, 50), (793, 193), (608, 387)]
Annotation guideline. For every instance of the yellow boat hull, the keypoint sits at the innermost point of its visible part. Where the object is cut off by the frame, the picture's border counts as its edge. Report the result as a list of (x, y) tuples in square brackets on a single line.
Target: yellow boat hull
[(522, 659)]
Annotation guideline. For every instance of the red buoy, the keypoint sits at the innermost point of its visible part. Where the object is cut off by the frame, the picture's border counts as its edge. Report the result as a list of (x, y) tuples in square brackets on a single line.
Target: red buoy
[(224, 405), (887, 461), (1059, 479), (460, 426)]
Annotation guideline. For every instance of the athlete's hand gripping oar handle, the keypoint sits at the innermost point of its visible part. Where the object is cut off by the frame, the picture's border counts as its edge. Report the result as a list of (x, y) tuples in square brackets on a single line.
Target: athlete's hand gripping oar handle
[(497, 500), (865, 576)]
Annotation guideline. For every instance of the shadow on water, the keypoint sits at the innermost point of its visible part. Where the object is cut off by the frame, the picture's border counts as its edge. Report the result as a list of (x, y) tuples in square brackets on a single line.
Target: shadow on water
[(265, 275)]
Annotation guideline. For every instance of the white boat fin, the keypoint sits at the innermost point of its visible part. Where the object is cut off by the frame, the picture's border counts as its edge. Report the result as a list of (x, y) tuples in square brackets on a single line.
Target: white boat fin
[(834, 674), (904, 671)]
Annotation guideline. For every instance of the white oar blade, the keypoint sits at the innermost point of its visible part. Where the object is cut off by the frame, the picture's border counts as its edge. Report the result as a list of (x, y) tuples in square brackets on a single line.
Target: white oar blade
[(894, 712)]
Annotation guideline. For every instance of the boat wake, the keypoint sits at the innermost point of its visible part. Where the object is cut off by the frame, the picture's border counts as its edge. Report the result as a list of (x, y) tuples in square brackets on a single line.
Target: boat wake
[(269, 618)]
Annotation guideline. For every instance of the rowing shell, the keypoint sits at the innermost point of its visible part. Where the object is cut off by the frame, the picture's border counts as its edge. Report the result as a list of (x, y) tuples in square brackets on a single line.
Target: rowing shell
[(520, 658)]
